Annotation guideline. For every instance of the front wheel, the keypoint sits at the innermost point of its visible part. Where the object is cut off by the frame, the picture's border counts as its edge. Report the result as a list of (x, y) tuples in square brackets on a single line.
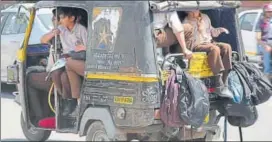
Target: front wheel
[(97, 132), (33, 134)]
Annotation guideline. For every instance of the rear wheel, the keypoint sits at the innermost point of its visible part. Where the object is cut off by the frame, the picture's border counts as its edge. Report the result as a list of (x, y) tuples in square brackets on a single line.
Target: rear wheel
[(97, 132), (33, 134)]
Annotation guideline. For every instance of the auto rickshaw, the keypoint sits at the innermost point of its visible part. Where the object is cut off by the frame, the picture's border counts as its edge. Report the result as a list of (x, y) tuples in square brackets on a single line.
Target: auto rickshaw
[(122, 86)]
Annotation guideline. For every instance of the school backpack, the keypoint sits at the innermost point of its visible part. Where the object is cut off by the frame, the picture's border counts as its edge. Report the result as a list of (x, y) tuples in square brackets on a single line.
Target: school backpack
[(241, 114), (235, 86), (169, 107), (193, 100), (260, 84)]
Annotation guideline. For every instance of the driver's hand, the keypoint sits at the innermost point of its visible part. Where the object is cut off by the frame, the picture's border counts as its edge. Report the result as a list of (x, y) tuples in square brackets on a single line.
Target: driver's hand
[(188, 54), (43, 62)]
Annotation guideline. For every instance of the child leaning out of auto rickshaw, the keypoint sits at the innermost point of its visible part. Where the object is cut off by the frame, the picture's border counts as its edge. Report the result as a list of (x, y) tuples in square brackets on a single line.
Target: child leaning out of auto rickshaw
[(73, 38), (264, 37)]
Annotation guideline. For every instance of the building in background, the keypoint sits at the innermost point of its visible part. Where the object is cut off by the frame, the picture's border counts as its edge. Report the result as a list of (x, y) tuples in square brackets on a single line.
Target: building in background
[(246, 5)]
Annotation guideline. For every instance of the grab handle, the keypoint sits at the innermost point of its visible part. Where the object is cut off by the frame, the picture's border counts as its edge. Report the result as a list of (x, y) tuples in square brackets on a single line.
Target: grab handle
[(168, 56)]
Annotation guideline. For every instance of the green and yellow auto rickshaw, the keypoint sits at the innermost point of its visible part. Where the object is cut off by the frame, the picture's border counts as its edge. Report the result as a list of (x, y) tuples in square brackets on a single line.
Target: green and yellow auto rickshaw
[(122, 87)]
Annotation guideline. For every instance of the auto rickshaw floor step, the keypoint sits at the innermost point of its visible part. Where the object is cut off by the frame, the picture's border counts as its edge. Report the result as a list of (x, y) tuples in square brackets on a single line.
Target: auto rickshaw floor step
[(67, 122)]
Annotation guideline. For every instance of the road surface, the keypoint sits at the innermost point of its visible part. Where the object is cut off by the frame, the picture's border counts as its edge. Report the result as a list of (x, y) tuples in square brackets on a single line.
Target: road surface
[(11, 130), (10, 121)]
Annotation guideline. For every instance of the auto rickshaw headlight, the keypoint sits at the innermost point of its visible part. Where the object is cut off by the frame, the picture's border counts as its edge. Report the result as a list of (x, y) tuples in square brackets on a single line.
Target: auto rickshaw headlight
[(121, 113)]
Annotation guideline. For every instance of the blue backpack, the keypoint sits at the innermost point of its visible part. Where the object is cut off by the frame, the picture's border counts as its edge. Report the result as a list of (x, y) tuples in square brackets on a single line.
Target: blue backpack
[(235, 86)]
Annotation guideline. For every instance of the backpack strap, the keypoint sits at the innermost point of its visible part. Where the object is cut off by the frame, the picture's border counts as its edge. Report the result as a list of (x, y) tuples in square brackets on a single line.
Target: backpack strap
[(169, 81), (243, 75)]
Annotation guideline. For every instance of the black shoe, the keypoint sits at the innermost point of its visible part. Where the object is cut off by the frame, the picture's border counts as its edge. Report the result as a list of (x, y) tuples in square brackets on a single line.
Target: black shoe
[(69, 107), (223, 91)]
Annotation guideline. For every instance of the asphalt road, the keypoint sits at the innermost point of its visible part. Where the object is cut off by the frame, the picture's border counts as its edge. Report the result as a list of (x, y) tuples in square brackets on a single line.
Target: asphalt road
[(11, 130), (10, 121)]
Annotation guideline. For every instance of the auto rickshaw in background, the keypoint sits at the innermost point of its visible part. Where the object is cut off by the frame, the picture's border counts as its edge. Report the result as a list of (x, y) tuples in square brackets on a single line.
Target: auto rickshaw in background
[(122, 86)]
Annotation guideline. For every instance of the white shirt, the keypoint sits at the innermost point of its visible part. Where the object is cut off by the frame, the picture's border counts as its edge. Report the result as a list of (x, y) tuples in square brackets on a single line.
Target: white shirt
[(160, 20), (69, 39), (206, 36)]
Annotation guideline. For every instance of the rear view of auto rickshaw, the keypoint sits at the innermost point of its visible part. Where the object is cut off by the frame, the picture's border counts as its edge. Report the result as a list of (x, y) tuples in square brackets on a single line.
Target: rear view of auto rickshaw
[(124, 76)]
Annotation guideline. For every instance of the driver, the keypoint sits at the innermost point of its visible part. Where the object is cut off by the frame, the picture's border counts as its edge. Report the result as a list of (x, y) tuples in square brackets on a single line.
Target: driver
[(264, 37)]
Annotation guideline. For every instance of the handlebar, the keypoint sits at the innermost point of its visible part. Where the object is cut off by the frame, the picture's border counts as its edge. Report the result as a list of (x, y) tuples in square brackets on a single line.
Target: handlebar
[(237, 55), (166, 58)]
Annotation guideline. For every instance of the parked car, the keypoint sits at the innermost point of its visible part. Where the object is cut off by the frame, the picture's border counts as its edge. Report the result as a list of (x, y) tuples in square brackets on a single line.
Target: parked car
[(13, 30), (248, 21)]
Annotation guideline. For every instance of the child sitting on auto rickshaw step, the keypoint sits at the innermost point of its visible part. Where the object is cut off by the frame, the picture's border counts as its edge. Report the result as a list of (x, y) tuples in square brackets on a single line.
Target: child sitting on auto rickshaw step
[(60, 79), (73, 38), (219, 54), (37, 82)]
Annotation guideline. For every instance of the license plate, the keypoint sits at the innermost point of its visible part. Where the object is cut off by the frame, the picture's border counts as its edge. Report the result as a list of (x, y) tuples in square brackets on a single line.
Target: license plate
[(123, 100)]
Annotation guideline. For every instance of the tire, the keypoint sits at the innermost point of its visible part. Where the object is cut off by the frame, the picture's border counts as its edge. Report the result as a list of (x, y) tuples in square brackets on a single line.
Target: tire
[(33, 134), (97, 132)]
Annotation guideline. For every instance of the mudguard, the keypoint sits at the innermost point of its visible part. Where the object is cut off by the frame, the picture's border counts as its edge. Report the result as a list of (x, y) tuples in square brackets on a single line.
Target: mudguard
[(102, 114)]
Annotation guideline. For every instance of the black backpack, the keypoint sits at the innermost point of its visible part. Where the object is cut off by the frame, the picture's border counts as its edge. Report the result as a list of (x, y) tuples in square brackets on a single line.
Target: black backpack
[(241, 114), (262, 88), (193, 100)]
